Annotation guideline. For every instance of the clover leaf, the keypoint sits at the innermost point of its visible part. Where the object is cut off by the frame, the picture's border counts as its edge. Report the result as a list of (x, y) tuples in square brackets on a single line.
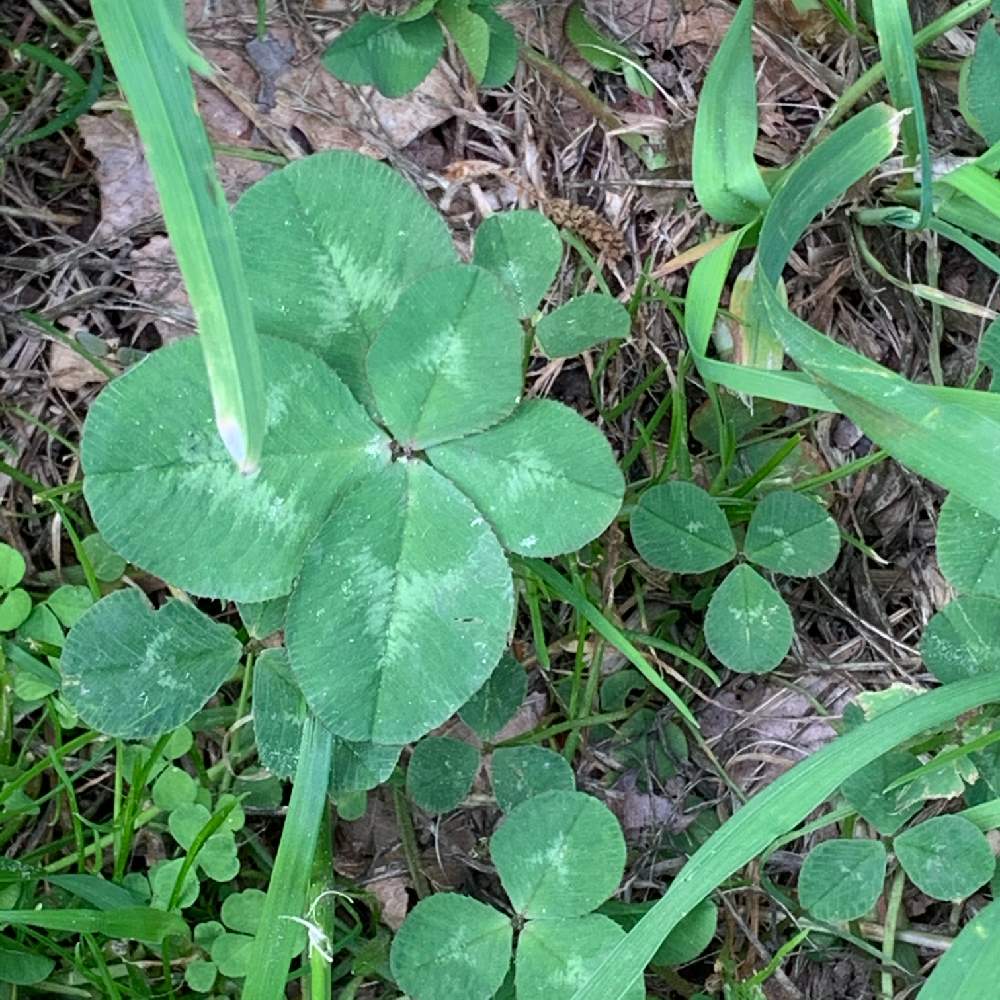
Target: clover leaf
[(392, 551)]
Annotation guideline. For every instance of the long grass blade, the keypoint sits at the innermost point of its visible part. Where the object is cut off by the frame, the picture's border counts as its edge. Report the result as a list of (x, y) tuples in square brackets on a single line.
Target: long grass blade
[(285, 905), (152, 60), (968, 969), (950, 436), (780, 807), (726, 178), (895, 39)]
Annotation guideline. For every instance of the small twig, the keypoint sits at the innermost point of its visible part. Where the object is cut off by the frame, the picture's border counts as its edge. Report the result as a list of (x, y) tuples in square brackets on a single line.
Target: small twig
[(585, 98)]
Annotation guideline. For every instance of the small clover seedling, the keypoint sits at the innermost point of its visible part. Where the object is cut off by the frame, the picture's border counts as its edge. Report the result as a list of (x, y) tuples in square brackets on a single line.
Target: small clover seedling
[(399, 463), (559, 855), (15, 604), (395, 54), (679, 527), (442, 769)]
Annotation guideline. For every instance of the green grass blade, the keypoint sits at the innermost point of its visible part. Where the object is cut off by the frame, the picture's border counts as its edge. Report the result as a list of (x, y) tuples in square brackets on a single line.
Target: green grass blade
[(135, 923), (286, 902), (567, 592), (152, 61), (951, 436), (895, 39), (727, 181), (782, 805), (968, 968)]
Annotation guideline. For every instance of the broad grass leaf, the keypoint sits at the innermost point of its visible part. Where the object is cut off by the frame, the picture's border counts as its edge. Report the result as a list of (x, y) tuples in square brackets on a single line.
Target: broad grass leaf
[(263, 618), (865, 790), (441, 772), (988, 353), (328, 247), (524, 250), (135, 672), (451, 947), (748, 626), (963, 639), (502, 61), (842, 879), (546, 479), (968, 548), (679, 527), (582, 323), (555, 957), (792, 534), (908, 420), (392, 54), (896, 46), (559, 854), (407, 585), (469, 31), (279, 712), (494, 704), (166, 495), (447, 362), (784, 804), (979, 83), (947, 857), (135, 923), (969, 967), (522, 772), (727, 181)]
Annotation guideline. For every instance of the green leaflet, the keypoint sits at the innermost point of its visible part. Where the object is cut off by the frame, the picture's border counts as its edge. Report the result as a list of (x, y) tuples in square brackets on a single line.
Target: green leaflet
[(470, 32), (134, 672), (452, 948), (228, 535), (448, 361), (842, 879), (678, 527), (727, 181), (156, 79), (394, 54), (328, 248), (559, 854), (410, 582), (545, 478), (582, 323), (523, 250), (776, 810)]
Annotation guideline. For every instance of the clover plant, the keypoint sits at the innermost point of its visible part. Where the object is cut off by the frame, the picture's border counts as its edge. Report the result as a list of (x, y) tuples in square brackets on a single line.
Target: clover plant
[(15, 603), (395, 54), (400, 463), (677, 526)]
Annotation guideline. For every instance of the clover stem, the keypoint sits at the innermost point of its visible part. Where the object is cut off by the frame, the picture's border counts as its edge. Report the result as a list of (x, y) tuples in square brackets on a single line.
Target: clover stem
[(588, 100), (409, 841)]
